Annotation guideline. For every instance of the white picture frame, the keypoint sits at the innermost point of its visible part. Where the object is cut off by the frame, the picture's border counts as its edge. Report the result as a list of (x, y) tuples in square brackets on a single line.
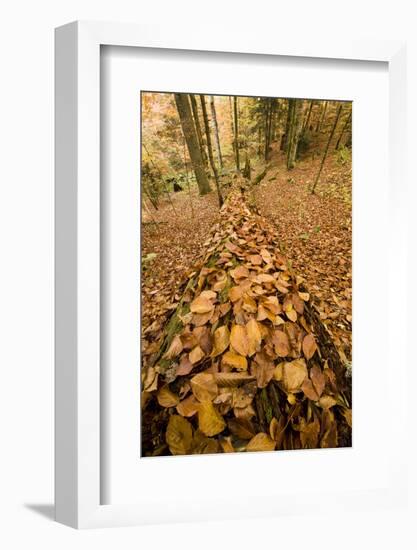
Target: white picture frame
[(77, 242)]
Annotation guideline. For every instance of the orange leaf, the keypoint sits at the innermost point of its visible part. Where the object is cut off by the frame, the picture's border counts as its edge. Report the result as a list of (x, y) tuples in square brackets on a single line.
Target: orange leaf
[(221, 340), (210, 421), (309, 346), (234, 360), (166, 398), (179, 435), (239, 339), (261, 442), (204, 386), (254, 337)]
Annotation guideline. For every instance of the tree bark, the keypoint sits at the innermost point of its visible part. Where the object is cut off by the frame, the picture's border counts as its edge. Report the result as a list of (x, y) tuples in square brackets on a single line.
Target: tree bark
[(349, 118), (194, 108), (209, 148), (307, 121), (190, 134), (327, 149), (235, 109), (296, 121), (216, 132), (321, 119)]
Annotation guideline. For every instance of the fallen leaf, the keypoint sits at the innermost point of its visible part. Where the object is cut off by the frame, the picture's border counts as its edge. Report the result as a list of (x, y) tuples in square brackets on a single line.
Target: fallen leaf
[(231, 379), (318, 379), (234, 360), (179, 435), (327, 401), (174, 349), (188, 406), (254, 337), (196, 355), (166, 398), (309, 346), (204, 386), (294, 374), (221, 340), (281, 343), (239, 339), (210, 421), (261, 442), (201, 304)]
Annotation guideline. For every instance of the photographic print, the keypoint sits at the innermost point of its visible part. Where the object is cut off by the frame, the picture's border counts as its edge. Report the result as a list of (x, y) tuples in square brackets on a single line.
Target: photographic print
[(246, 274)]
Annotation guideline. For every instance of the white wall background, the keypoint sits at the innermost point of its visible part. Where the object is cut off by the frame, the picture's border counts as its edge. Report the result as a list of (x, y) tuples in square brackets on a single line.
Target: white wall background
[(26, 270)]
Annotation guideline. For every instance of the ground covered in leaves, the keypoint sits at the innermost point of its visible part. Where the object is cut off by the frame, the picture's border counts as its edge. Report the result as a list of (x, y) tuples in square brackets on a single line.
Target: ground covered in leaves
[(244, 363), (315, 234)]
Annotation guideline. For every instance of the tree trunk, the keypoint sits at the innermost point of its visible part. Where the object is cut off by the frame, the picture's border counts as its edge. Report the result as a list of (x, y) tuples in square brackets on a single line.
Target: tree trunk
[(209, 148), (327, 149), (194, 108), (296, 121), (284, 139), (321, 119), (349, 118), (268, 126), (216, 132), (236, 132), (307, 121), (190, 134)]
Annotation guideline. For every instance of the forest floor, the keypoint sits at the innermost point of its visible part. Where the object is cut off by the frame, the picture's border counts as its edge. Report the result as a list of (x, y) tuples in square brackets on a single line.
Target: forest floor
[(314, 231)]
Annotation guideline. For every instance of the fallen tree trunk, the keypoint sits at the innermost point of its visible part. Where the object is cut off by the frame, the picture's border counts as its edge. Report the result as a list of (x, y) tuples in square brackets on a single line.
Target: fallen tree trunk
[(244, 363)]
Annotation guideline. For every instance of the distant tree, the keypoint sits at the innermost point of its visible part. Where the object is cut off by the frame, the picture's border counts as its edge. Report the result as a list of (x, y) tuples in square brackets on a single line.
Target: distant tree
[(216, 131), (194, 108), (210, 149), (339, 110), (348, 119), (236, 128), (321, 117), (295, 110), (190, 135), (308, 116)]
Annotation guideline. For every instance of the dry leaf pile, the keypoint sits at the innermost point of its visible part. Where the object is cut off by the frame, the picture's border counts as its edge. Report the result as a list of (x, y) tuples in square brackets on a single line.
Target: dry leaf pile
[(244, 363)]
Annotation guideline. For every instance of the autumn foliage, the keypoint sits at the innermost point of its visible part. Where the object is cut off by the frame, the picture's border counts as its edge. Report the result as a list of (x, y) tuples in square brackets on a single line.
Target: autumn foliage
[(244, 362)]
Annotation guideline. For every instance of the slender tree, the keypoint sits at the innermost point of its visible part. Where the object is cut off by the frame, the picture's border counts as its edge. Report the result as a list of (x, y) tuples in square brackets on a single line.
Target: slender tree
[(349, 118), (327, 149), (235, 110), (307, 119), (194, 108), (295, 127), (232, 128), (210, 149), (190, 135), (321, 118), (216, 131)]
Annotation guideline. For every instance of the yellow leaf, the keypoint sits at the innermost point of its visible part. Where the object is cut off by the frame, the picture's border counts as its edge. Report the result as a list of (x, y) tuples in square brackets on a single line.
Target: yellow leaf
[(281, 343), (239, 339), (210, 421), (255, 259), (292, 315), (279, 372), (166, 398), (261, 442), (305, 296), (327, 401), (174, 349), (309, 346), (294, 374), (231, 379), (227, 445), (234, 360), (188, 406), (241, 272), (179, 435), (235, 293), (204, 386), (196, 355), (254, 337), (318, 379), (221, 340), (201, 304)]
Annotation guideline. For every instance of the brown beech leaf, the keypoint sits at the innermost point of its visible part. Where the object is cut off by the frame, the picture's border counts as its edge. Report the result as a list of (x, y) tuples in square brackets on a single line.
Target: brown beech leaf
[(166, 398), (309, 434), (204, 386), (235, 293), (201, 304), (234, 360), (277, 430), (281, 343), (265, 278), (196, 355), (231, 379), (239, 339), (261, 442), (200, 319), (294, 374), (309, 390), (254, 337), (327, 401), (179, 435), (318, 379), (255, 259), (309, 346), (185, 366), (241, 428), (188, 406), (264, 369), (305, 296), (151, 380), (226, 445), (249, 304), (210, 421), (241, 272), (174, 349), (221, 340)]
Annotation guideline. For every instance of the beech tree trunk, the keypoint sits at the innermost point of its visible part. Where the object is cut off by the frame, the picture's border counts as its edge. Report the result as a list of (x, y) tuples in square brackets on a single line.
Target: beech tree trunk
[(349, 118), (194, 108), (307, 121), (190, 134), (321, 119), (210, 149), (236, 132), (327, 149), (216, 131), (295, 127)]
